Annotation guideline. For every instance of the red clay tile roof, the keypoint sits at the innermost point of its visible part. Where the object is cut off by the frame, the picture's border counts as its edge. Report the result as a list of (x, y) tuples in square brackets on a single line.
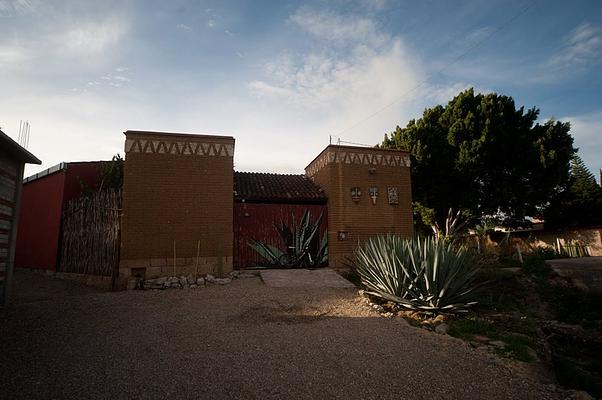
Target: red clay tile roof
[(276, 188)]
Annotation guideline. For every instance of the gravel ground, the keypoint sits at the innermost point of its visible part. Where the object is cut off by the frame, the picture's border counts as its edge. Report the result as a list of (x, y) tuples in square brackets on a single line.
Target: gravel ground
[(243, 340)]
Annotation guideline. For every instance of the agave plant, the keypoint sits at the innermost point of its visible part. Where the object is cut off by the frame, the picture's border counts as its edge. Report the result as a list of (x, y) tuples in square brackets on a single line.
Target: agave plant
[(419, 274), (304, 248)]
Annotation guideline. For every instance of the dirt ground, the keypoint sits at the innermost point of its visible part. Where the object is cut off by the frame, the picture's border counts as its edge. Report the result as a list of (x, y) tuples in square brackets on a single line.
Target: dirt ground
[(242, 340)]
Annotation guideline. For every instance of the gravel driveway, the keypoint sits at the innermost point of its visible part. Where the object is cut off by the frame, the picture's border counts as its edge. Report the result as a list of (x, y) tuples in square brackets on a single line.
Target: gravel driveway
[(243, 340)]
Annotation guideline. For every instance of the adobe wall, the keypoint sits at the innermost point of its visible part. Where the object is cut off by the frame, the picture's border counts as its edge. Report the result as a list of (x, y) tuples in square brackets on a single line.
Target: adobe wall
[(177, 191), (339, 169), (591, 237)]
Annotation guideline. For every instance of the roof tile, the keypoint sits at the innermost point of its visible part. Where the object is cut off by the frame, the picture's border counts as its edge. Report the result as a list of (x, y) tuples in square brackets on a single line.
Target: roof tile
[(282, 188)]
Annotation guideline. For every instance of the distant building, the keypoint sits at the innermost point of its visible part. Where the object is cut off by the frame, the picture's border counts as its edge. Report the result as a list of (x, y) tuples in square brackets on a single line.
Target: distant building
[(13, 158)]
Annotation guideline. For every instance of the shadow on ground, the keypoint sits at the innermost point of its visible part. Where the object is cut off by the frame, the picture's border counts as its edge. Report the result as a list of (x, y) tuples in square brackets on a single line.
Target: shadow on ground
[(243, 340)]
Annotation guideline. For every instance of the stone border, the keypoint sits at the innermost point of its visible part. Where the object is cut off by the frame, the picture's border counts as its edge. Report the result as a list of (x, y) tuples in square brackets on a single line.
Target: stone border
[(187, 282)]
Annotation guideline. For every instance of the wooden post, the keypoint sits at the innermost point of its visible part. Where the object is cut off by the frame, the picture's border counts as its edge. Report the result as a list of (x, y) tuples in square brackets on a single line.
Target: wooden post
[(196, 265)]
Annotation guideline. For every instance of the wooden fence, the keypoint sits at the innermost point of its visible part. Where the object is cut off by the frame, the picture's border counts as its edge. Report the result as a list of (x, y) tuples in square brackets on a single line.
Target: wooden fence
[(91, 229)]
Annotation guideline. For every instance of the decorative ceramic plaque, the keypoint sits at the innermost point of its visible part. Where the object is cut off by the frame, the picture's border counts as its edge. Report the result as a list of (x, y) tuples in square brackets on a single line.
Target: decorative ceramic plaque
[(393, 194), (374, 194), (356, 193)]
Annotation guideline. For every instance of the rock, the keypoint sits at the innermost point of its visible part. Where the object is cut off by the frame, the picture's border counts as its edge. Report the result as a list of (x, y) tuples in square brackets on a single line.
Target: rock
[(551, 387), (498, 343), (580, 395), (200, 281), (183, 281), (132, 284), (378, 308), (246, 275), (210, 278), (161, 281), (191, 280), (442, 328), (439, 318), (153, 286), (194, 286), (387, 314), (234, 274), (223, 281), (175, 284)]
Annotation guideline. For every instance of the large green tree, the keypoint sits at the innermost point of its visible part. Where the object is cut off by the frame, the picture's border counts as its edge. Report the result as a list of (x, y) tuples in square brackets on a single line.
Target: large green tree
[(580, 204), (481, 154)]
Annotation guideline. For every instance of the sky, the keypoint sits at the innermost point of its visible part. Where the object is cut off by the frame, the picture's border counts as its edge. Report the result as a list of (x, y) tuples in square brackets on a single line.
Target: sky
[(283, 77)]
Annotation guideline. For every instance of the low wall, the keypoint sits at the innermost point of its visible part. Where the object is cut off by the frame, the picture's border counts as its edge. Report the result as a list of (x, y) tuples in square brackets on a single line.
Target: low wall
[(97, 281), (591, 237)]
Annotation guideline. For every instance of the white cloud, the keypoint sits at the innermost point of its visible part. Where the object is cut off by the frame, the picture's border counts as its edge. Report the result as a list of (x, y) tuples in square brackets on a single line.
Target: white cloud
[(582, 47), (478, 35), (85, 38), (336, 86), (65, 126), (12, 54), (184, 27), (337, 28), (9, 8), (210, 23)]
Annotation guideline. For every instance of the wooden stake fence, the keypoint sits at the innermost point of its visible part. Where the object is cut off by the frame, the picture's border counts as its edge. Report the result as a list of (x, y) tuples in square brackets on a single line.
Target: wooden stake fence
[(90, 242)]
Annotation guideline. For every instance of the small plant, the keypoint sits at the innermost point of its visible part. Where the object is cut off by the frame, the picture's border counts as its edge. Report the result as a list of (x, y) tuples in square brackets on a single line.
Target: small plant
[(304, 248), (419, 274), (219, 266)]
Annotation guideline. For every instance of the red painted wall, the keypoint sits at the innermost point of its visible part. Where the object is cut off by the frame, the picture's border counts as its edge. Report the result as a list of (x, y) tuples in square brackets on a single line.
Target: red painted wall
[(39, 222), (42, 201), (86, 172), (255, 221)]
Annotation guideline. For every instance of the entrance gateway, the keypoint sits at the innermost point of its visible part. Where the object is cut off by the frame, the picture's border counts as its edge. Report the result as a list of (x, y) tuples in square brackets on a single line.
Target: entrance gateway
[(185, 209)]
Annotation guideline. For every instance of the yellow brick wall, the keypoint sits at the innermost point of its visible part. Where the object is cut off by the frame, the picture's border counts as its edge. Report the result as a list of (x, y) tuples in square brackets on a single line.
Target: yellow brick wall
[(339, 168), (177, 188)]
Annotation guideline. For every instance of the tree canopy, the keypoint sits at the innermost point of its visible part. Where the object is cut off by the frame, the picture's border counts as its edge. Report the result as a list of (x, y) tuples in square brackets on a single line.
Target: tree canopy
[(481, 154), (580, 203)]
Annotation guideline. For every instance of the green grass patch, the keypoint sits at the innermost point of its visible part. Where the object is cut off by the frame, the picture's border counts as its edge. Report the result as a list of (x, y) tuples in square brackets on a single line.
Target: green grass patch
[(502, 291), (518, 346)]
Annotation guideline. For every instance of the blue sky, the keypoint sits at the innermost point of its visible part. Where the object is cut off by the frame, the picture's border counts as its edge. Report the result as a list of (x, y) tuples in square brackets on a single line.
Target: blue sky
[(281, 76)]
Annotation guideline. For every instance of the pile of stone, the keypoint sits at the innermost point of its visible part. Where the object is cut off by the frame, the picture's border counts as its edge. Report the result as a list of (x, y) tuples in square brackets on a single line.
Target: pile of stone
[(187, 282)]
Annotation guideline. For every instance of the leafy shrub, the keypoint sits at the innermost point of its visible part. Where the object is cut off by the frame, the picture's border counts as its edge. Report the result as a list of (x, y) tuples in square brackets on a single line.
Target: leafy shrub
[(419, 274)]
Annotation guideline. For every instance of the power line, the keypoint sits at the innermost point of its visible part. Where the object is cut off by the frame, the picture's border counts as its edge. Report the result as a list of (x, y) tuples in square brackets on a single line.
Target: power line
[(455, 60)]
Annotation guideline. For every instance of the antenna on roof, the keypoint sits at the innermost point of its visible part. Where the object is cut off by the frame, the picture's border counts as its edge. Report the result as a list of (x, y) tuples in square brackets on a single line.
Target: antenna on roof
[(23, 138)]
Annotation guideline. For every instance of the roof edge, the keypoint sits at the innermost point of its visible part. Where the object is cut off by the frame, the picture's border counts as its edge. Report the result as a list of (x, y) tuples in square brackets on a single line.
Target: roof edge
[(178, 134), (24, 154), (341, 146)]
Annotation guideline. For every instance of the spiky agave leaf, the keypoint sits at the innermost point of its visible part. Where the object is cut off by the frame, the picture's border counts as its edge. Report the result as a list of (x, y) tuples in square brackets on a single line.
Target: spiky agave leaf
[(418, 274), (302, 243), (271, 254)]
